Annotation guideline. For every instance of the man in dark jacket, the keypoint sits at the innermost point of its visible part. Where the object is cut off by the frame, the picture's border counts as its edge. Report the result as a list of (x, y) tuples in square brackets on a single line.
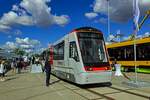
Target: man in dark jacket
[(48, 71)]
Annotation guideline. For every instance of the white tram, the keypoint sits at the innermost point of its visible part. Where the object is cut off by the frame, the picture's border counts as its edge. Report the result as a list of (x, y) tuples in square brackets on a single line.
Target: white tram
[(81, 57)]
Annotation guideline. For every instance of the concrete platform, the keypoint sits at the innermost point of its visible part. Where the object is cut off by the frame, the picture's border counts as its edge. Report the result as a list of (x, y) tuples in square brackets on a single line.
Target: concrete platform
[(29, 86)]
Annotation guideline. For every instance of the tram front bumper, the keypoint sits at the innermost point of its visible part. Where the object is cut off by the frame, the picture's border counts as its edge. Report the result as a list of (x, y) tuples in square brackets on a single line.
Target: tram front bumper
[(94, 77)]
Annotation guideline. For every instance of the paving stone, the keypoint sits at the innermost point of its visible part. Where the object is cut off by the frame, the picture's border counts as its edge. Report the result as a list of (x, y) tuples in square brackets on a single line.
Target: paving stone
[(28, 86)]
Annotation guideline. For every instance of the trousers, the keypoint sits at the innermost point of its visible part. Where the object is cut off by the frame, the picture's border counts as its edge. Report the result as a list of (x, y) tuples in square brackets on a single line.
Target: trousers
[(48, 77)]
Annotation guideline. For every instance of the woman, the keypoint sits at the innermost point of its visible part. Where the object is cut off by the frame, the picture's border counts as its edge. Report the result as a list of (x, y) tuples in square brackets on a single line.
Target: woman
[(2, 70), (118, 69)]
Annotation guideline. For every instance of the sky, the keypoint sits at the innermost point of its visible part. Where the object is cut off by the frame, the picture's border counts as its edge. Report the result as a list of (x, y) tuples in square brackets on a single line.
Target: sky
[(30, 23)]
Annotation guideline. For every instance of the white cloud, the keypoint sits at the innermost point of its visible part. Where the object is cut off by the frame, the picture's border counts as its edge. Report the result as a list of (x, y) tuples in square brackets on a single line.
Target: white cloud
[(91, 15), (24, 43), (100, 6), (139, 36), (101, 20), (126, 38), (35, 42), (61, 20), (26, 46), (15, 8), (29, 50), (147, 34), (29, 13), (39, 11), (107, 42), (39, 8), (4, 28), (24, 20), (111, 37), (120, 10), (8, 18), (27, 41), (11, 19), (10, 45)]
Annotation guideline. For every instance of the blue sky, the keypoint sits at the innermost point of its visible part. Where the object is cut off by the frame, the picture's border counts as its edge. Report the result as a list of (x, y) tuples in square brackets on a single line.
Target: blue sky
[(48, 20)]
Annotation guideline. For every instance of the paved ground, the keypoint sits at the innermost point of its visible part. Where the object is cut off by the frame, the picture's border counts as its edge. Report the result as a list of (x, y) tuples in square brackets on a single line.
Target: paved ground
[(27, 86)]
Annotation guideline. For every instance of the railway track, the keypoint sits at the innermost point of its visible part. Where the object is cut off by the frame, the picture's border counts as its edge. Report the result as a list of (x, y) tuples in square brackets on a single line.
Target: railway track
[(99, 95), (105, 95), (136, 94)]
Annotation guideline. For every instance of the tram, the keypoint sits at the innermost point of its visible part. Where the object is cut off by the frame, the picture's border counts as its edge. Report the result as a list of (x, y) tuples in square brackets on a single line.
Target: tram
[(123, 52), (80, 57)]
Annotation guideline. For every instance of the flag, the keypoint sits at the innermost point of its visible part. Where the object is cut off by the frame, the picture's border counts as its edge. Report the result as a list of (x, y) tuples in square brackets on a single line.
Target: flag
[(136, 12)]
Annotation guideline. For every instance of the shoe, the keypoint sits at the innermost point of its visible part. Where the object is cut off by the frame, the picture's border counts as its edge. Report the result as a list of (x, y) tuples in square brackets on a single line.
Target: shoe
[(47, 85), (2, 80), (50, 83)]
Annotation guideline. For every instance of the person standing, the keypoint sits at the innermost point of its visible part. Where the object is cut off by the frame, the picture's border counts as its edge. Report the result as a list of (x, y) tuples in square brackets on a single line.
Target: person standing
[(47, 68), (2, 70), (33, 60), (13, 66), (118, 69), (19, 65)]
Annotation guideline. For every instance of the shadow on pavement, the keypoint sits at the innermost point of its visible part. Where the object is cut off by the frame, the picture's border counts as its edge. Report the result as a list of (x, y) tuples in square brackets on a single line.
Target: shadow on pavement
[(55, 82), (107, 84), (8, 79)]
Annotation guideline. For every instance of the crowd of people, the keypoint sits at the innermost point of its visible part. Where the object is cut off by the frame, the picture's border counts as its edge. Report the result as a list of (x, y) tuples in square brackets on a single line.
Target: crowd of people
[(16, 65)]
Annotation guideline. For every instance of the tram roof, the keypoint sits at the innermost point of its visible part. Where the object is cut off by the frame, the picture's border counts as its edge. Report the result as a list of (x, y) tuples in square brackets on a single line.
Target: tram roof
[(87, 29), (81, 29), (129, 42)]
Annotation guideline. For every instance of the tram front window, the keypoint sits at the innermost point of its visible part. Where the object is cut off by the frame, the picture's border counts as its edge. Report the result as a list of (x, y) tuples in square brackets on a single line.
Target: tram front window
[(92, 50)]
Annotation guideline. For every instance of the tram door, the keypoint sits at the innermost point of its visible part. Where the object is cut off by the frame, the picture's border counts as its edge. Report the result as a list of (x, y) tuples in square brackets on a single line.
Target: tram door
[(74, 62)]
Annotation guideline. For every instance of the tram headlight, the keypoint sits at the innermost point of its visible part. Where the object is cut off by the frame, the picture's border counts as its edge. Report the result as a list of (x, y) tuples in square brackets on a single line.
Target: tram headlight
[(88, 68)]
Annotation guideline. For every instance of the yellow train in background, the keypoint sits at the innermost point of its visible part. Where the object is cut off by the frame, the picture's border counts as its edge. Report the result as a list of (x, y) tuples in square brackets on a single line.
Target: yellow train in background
[(123, 52)]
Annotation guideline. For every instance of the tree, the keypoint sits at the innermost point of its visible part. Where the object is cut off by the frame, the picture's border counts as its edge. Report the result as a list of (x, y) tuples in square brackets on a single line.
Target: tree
[(19, 52)]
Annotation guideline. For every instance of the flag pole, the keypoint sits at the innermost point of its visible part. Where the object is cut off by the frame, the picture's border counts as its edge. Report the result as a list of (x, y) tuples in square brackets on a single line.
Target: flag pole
[(136, 18), (136, 83), (108, 18), (135, 58)]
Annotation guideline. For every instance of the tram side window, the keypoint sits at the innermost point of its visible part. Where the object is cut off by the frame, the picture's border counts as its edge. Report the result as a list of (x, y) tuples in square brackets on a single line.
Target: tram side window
[(59, 51), (143, 51), (73, 51), (121, 53), (130, 52), (115, 53), (111, 54)]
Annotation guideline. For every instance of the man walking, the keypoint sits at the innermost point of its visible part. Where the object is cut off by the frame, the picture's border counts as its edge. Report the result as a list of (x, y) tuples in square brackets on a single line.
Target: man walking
[(48, 71)]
